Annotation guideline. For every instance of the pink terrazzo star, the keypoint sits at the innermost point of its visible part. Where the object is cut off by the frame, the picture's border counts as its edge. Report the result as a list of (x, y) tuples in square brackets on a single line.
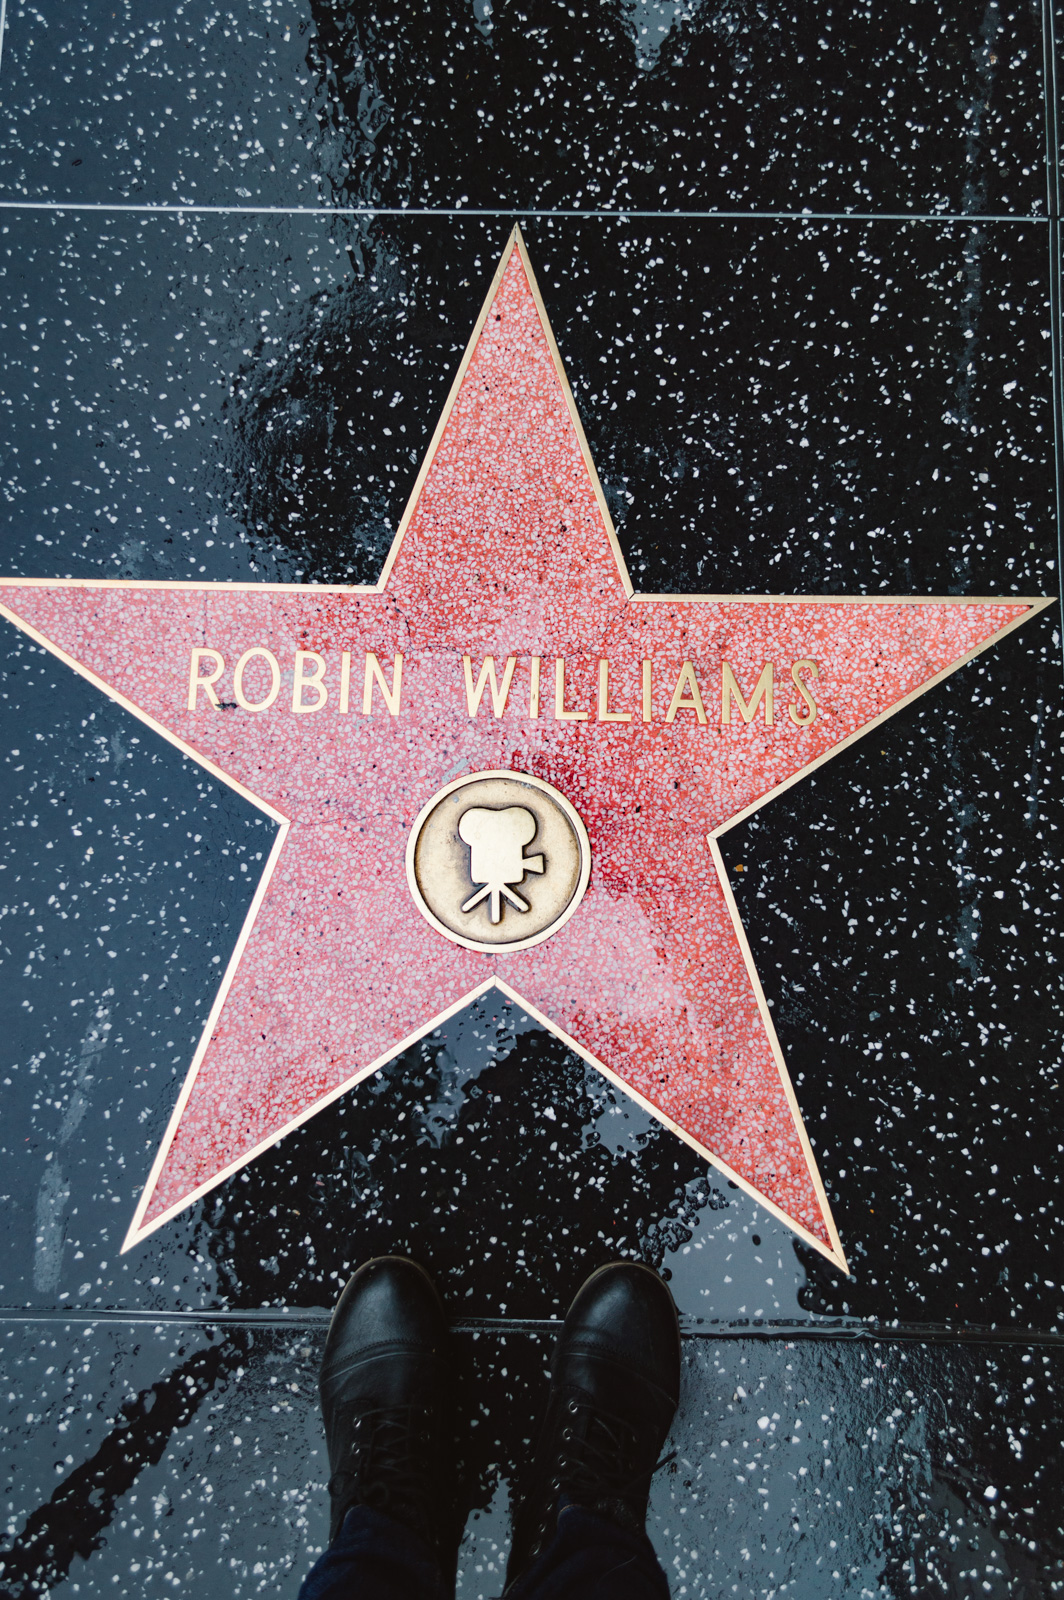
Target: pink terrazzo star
[(505, 551)]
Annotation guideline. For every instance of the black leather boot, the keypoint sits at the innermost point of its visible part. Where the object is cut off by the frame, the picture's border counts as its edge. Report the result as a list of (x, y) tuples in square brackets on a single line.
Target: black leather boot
[(614, 1388), (385, 1398)]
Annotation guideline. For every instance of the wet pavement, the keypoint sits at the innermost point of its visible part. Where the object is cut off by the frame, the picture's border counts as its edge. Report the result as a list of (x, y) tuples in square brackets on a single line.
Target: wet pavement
[(157, 1458), (836, 404)]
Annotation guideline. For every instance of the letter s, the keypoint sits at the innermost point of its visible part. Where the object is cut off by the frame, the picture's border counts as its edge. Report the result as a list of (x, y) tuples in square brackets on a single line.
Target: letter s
[(804, 718)]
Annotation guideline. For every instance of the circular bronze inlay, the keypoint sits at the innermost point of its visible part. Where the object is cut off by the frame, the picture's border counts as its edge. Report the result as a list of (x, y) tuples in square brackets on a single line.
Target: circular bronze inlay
[(498, 861)]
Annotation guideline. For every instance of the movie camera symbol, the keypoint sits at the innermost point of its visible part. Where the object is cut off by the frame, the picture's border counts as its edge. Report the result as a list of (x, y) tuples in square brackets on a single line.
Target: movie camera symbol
[(496, 841)]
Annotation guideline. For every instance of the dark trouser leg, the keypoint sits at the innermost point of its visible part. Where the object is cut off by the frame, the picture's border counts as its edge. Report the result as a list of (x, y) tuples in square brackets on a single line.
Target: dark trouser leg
[(374, 1558), (589, 1558)]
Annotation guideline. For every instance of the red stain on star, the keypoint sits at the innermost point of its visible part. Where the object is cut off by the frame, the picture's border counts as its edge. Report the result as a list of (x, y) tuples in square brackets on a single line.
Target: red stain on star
[(343, 711)]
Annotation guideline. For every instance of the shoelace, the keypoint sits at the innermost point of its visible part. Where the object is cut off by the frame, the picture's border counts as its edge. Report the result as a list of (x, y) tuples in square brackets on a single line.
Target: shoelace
[(597, 1464), (597, 1455), (389, 1466), (598, 1459)]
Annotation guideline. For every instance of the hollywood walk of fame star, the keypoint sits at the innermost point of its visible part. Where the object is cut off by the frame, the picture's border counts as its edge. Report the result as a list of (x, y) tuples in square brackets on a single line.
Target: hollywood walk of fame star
[(342, 712)]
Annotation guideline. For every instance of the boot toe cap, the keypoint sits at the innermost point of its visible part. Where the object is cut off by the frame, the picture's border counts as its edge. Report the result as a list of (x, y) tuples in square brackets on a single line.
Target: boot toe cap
[(389, 1302), (625, 1312)]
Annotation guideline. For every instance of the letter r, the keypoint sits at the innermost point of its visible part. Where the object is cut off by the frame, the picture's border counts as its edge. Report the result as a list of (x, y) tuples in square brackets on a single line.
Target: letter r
[(198, 681)]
